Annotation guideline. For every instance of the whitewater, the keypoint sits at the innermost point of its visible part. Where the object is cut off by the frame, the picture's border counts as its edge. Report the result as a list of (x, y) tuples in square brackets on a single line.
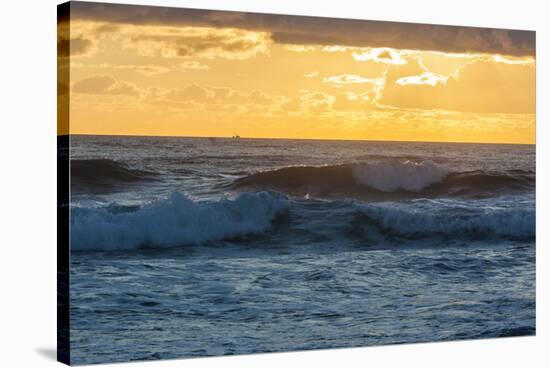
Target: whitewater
[(230, 246)]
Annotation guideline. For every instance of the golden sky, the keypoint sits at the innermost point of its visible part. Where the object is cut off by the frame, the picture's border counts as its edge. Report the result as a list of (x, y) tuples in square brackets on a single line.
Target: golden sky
[(135, 70)]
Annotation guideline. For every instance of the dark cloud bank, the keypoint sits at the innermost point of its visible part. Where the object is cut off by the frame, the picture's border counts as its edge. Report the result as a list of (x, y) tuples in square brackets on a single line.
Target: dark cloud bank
[(322, 31)]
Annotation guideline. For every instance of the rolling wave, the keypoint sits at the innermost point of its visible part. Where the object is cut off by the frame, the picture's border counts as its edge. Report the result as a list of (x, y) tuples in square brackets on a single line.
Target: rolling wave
[(452, 219), (101, 175), (175, 221), (387, 180), (180, 221)]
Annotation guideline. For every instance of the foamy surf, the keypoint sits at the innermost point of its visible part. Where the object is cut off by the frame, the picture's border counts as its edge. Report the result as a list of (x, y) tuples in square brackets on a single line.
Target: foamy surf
[(175, 221), (393, 175), (455, 219), (180, 221)]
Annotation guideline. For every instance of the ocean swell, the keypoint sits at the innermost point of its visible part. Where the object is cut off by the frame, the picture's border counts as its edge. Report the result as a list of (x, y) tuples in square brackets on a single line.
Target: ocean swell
[(175, 221), (387, 180), (100, 175)]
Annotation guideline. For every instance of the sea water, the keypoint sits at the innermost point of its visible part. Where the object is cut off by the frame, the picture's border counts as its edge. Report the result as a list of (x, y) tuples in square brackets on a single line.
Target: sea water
[(184, 247)]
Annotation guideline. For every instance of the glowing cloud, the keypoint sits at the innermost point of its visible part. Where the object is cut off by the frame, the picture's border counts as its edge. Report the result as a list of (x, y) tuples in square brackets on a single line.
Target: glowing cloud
[(513, 60), (311, 74), (299, 48), (426, 78), (353, 102), (165, 71), (348, 79), (382, 55), (477, 87)]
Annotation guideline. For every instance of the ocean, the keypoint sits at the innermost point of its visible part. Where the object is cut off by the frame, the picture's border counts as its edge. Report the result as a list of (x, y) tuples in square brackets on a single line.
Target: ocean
[(186, 247)]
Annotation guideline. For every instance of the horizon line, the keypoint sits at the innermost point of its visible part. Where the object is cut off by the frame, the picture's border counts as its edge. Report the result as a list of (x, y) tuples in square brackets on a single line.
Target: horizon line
[(282, 138)]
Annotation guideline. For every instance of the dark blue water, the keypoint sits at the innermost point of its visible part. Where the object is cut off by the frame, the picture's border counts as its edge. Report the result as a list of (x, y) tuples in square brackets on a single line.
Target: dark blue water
[(199, 247)]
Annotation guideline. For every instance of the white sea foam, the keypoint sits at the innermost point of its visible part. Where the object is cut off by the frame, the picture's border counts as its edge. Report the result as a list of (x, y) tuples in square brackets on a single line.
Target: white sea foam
[(175, 221), (426, 218), (395, 175)]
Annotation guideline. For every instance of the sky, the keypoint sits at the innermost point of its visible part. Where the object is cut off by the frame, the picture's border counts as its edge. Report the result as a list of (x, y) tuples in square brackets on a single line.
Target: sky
[(136, 70)]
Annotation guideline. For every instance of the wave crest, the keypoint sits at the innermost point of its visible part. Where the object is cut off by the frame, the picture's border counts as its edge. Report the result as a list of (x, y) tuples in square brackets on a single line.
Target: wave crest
[(175, 221), (454, 220), (392, 175), (387, 180)]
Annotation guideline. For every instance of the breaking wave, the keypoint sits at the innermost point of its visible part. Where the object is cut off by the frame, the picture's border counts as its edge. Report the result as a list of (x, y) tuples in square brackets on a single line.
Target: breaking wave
[(389, 176), (387, 180), (179, 221), (423, 219), (175, 221)]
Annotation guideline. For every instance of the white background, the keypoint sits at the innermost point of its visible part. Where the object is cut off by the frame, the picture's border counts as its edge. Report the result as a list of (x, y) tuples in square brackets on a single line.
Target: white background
[(28, 182)]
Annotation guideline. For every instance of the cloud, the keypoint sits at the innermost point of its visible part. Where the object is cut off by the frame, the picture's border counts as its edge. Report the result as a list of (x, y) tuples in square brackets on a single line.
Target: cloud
[(194, 65), (193, 93), (381, 55), (348, 104), (513, 60), (335, 48), (353, 102), (147, 70), (150, 69), (205, 42), (427, 78), (81, 38), (76, 46), (254, 97), (300, 30), (316, 102), (292, 105), (299, 48), (348, 79), (478, 87), (212, 95), (101, 84)]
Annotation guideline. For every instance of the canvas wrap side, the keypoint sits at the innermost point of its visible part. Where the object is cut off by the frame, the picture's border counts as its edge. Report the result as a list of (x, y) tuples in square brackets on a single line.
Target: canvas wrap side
[(63, 185)]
